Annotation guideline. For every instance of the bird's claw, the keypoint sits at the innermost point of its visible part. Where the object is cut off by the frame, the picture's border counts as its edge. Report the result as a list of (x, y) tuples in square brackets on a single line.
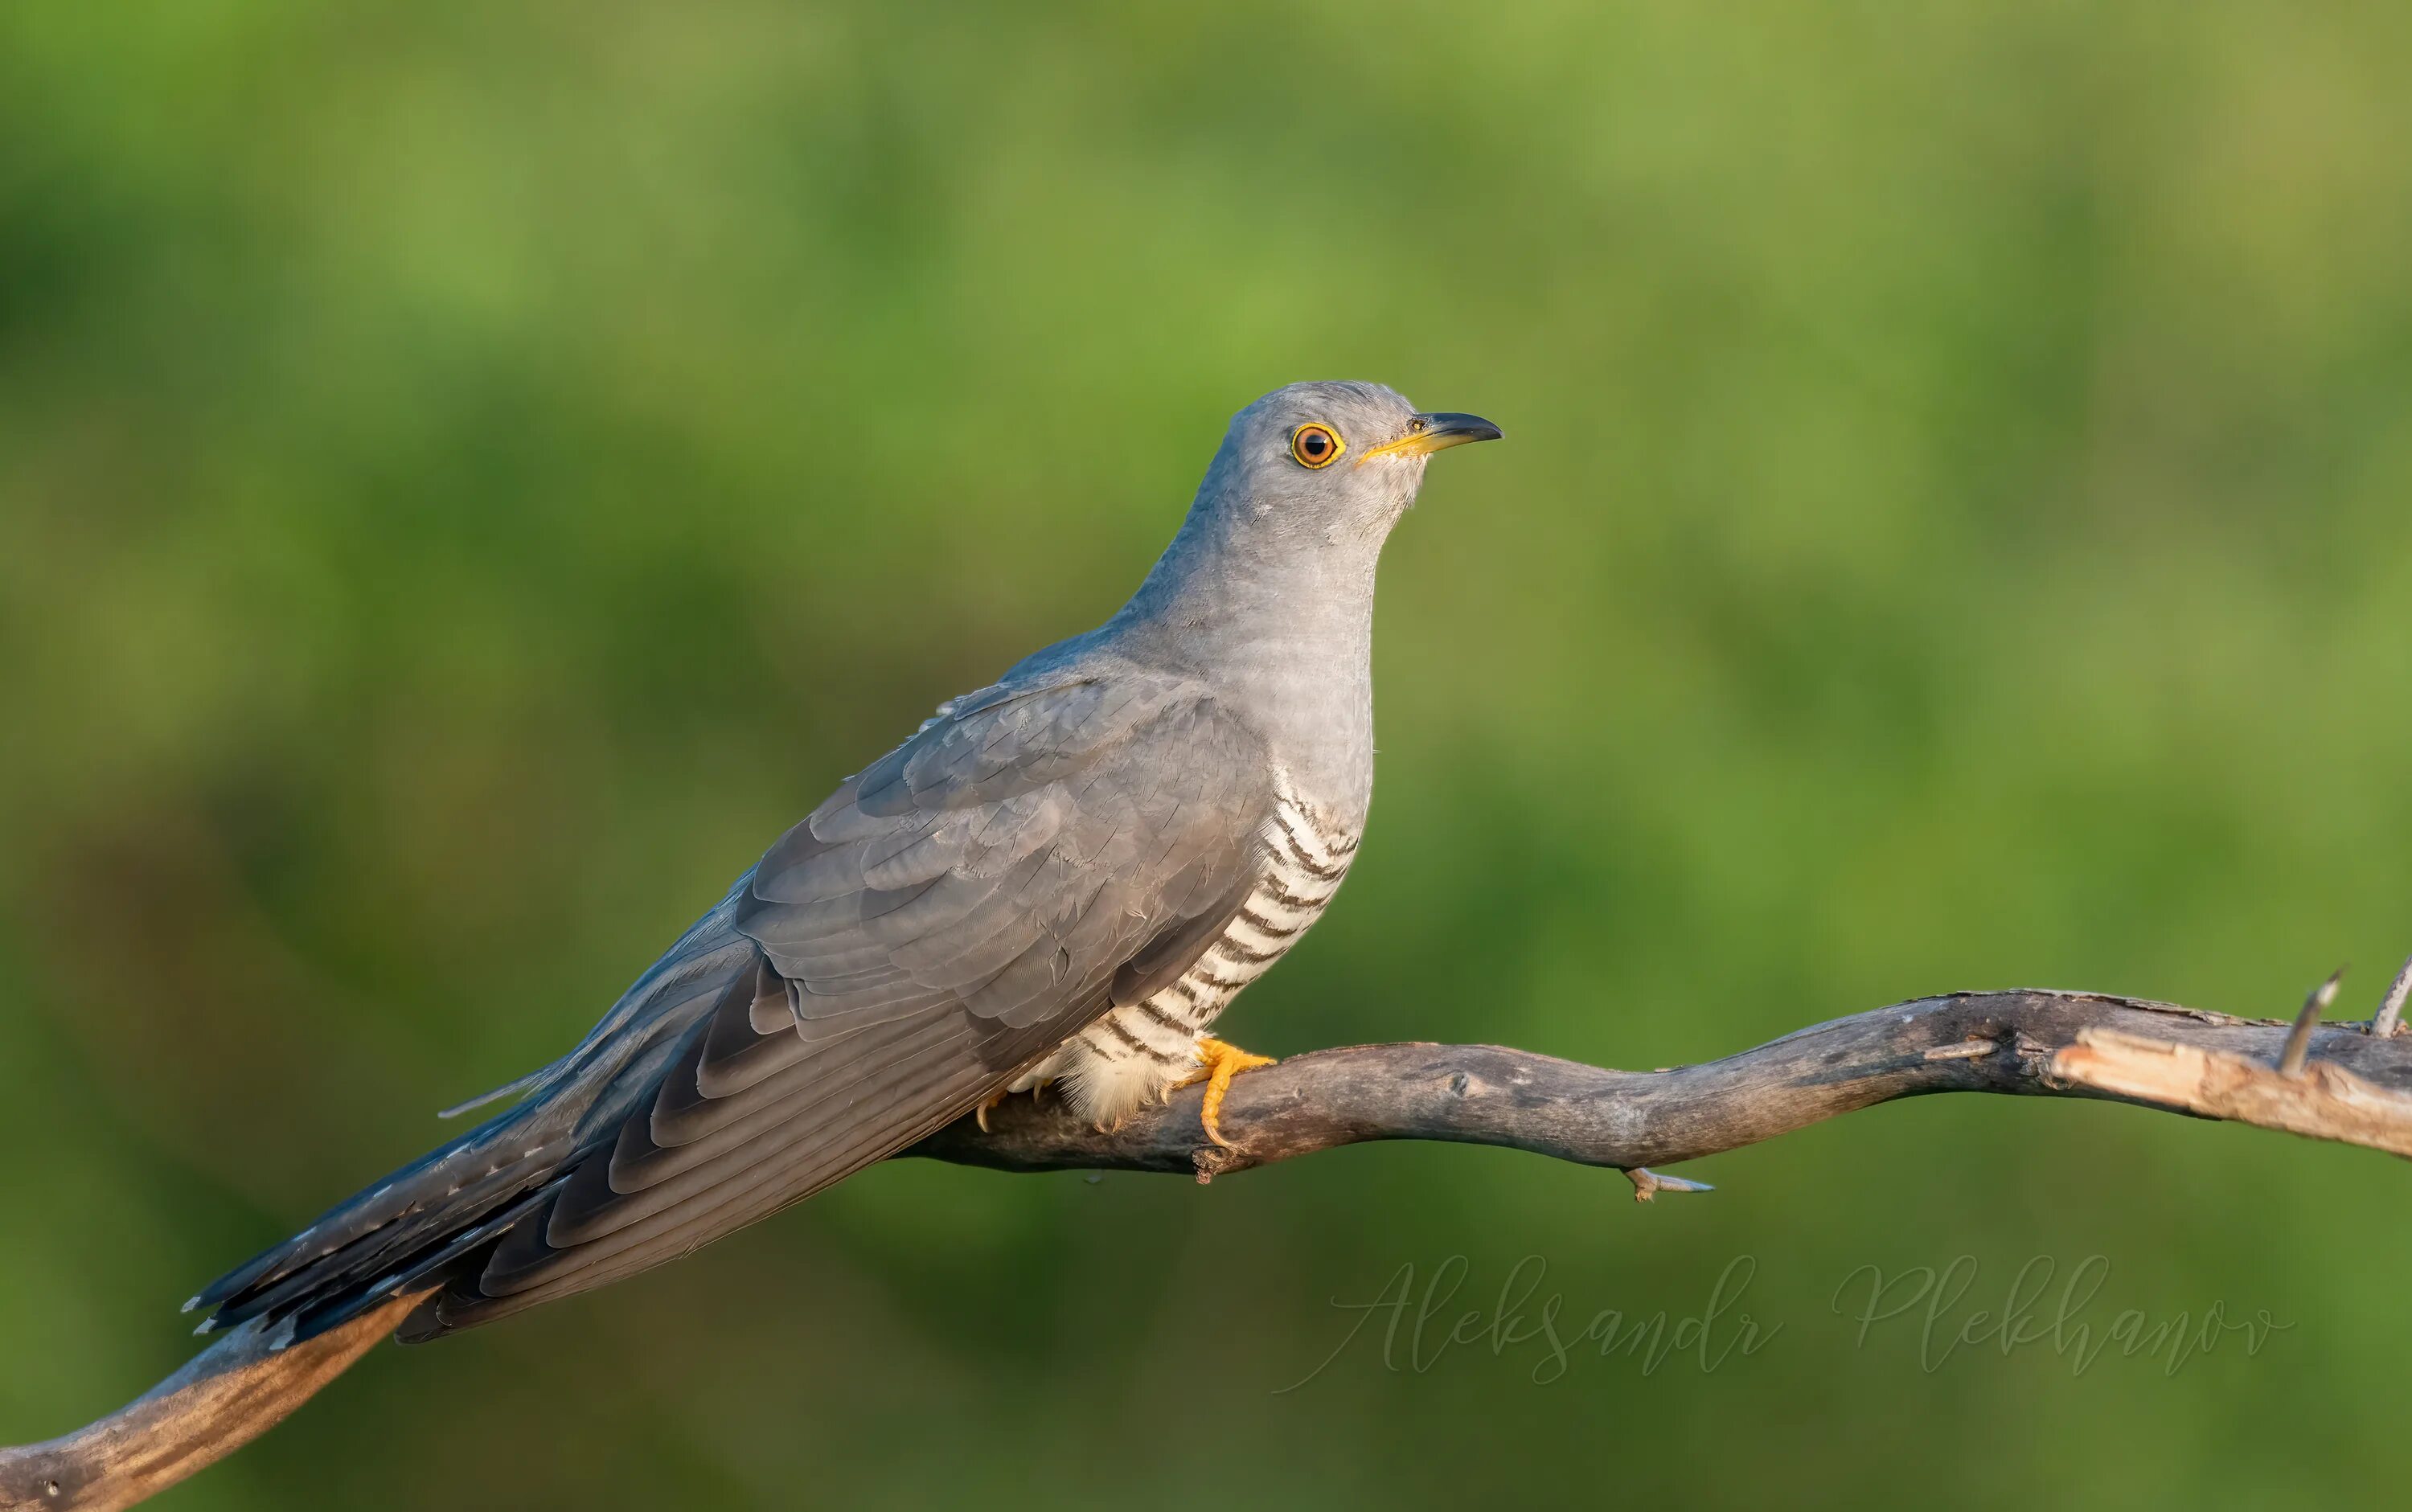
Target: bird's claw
[(1219, 1062)]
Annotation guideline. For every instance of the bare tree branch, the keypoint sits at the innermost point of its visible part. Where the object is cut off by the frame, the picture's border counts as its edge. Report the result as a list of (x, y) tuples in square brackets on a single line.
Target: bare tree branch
[(2323, 1099), (2349, 1083), (1998, 1042), (2390, 1013), (226, 1396)]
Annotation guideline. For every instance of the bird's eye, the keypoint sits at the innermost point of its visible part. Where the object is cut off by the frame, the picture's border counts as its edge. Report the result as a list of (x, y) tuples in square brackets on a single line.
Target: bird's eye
[(1315, 445)]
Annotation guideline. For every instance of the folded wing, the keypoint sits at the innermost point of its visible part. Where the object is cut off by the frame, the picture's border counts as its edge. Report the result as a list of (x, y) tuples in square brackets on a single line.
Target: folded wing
[(944, 918)]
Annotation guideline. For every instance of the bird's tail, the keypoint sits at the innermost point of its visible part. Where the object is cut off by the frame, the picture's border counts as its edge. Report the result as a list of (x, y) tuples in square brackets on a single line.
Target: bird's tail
[(405, 1232)]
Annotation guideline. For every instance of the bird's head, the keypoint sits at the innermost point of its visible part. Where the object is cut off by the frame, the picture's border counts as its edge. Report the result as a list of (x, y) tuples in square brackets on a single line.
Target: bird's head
[(1328, 461)]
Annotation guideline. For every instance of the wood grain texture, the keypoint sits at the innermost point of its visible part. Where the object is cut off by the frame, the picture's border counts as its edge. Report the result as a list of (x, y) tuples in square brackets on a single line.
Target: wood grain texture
[(1997, 1042), (226, 1396), (2355, 1087)]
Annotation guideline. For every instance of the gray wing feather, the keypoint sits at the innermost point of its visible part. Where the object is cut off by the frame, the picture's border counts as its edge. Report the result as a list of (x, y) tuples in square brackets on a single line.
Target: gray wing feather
[(389, 1230), (946, 918)]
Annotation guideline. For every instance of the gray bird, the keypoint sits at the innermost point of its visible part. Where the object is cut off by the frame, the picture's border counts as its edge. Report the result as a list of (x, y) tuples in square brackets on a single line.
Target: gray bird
[(1061, 879)]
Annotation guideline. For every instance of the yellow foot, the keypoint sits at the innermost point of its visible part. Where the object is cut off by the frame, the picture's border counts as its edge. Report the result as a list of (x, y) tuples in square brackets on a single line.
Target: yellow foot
[(1217, 1063)]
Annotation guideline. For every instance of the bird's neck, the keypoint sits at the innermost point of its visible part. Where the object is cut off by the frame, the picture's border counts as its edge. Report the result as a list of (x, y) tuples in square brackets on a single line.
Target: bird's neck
[(1287, 635)]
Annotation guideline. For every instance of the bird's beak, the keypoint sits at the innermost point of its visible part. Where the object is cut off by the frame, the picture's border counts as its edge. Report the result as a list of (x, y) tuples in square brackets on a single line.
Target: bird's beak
[(1428, 433)]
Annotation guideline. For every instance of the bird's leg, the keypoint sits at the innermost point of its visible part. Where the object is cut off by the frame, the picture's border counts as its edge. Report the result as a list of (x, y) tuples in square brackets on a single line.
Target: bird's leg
[(1219, 1062)]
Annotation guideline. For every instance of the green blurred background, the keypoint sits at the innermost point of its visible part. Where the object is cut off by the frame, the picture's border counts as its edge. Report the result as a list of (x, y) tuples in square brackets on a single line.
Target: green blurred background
[(469, 478)]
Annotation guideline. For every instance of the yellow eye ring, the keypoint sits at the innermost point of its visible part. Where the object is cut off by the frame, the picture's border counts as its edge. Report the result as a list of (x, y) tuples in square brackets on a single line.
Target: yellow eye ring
[(1315, 445)]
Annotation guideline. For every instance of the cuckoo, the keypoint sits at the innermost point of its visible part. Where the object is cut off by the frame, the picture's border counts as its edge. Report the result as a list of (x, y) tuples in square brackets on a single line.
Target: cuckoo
[(1058, 882)]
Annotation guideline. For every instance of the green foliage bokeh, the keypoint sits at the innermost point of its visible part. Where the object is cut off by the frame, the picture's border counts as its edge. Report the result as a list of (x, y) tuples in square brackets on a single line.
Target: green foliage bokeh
[(469, 478)]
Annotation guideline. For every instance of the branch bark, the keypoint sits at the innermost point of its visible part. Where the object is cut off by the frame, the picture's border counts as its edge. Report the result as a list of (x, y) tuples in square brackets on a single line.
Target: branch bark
[(2352, 1085), (226, 1396)]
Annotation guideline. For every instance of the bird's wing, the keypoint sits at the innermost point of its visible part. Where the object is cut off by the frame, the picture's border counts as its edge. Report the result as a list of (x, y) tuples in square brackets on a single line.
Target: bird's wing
[(948, 917)]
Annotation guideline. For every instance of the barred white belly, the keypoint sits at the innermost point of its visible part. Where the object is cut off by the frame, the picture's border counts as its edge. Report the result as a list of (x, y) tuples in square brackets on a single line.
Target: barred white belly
[(1134, 1054)]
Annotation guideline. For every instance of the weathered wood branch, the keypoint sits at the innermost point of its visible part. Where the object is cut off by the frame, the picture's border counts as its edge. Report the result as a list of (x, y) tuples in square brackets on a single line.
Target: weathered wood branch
[(2022, 1042), (2346, 1083), (226, 1396)]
